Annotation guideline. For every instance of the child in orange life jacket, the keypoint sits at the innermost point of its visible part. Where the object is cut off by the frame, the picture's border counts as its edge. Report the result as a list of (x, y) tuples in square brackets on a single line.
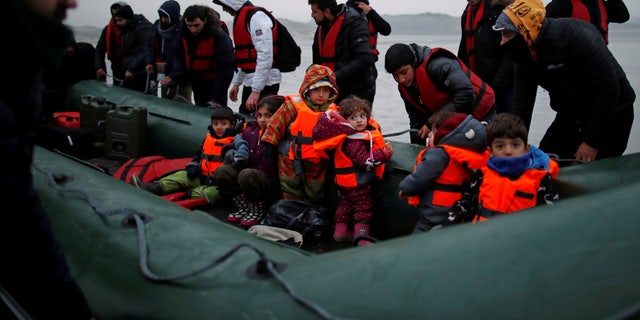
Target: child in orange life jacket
[(360, 154), (442, 171), (197, 176), (251, 181), (517, 175), (301, 167)]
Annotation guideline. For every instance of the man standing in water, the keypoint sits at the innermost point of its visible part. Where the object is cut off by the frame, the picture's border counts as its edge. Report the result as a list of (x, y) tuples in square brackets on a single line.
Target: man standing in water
[(35, 280)]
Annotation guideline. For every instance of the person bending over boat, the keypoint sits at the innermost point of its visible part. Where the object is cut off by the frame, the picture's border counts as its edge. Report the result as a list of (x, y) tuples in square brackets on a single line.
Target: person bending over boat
[(301, 168), (587, 87), (434, 79), (517, 176), (360, 154), (252, 180), (197, 178), (443, 170)]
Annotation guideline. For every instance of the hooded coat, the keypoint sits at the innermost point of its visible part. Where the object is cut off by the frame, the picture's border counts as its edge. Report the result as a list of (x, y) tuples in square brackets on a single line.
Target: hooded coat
[(162, 39), (277, 132), (265, 74), (469, 135), (587, 86)]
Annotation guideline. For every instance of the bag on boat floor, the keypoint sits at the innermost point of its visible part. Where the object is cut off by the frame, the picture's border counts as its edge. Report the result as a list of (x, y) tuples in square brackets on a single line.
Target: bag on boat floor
[(150, 168), (306, 218), (78, 142)]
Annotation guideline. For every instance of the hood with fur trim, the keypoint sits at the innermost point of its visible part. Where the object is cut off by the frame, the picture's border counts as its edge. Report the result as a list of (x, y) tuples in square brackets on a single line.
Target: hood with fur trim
[(233, 4)]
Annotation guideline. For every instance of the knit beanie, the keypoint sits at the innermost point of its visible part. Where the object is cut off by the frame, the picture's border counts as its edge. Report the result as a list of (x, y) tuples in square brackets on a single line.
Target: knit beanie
[(125, 12), (448, 126)]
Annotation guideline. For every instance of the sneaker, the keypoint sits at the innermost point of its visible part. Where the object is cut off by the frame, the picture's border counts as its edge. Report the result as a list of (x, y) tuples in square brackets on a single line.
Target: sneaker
[(237, 216)]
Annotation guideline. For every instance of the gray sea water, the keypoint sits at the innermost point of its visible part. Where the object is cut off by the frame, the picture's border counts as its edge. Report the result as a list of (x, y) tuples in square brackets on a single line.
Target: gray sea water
[(388, 107)]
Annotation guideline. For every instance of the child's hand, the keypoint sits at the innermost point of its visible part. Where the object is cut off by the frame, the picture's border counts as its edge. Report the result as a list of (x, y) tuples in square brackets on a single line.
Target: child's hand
[(388, 149), (334, 116)]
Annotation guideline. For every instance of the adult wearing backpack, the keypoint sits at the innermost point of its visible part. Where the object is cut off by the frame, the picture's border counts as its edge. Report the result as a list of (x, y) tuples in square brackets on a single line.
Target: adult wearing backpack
[(341, 42), (254, 35)]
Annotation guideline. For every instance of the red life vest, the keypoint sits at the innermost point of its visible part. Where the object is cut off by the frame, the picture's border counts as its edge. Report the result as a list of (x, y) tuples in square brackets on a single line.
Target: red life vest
[(474, 16), (327, 47), (448, 187), (432, 98), (580, 11), (298, 142), (113, 41), (201, 59), (503, 195), (373, 39), (245, 53), (212, 157)]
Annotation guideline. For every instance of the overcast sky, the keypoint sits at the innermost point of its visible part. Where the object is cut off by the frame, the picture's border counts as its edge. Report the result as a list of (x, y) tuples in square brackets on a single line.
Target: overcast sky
[(96, 12)]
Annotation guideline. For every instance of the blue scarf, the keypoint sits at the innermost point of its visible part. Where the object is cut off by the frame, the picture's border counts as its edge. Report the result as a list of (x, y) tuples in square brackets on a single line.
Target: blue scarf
[(513, 168)]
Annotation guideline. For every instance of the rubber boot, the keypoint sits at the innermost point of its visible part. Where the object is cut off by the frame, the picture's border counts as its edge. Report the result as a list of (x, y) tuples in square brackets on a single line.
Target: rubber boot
[(341, 233), (154, 187), (255, 213), (362, 229), (241, 203)]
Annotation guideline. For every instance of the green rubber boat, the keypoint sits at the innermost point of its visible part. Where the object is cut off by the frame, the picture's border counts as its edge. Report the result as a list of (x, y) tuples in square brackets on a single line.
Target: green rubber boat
[(138, 256)]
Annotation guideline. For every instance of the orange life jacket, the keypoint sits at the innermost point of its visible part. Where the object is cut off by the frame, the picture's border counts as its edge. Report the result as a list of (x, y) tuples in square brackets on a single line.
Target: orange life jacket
[(201, 59), (347, 175), (212, 157), (474, 16), (245, 53), (503, 195), (432, 98), (452, 182), (580, 11), (298, 142), (327, 47)]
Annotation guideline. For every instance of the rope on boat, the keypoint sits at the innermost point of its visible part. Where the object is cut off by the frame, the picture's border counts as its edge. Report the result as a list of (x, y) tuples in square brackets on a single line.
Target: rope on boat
[(13, 305), (399, 133), (55, 181)]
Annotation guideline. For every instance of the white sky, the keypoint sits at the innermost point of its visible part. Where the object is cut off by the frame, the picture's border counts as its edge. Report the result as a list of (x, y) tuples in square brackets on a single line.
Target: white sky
[(96, 12)]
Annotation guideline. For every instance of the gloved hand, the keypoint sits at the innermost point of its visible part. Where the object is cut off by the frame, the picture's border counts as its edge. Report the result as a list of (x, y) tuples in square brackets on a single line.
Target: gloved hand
[(193, 169), (229, 156), (240, 162)]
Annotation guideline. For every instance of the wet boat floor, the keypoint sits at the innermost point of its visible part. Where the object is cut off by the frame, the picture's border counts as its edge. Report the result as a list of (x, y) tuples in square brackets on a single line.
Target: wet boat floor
[(220, 211)]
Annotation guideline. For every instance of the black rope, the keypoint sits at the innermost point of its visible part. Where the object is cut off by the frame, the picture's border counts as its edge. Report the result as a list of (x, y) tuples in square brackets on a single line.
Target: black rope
[(399, 133), (52, 180), (13, 305)]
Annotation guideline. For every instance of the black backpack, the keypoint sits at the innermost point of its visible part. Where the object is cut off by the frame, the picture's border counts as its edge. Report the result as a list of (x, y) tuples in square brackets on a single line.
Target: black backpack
[(289, 53)]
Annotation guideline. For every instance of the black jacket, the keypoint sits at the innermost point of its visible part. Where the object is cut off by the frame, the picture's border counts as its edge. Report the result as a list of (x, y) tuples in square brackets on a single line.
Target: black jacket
[(583, 78), (354, 65)]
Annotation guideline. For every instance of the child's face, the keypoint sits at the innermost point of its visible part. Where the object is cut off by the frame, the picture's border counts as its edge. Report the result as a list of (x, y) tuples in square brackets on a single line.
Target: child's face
[(263, 115), (219, 125), (405, 75), (358, 120), (508, 148), (320, 95)]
